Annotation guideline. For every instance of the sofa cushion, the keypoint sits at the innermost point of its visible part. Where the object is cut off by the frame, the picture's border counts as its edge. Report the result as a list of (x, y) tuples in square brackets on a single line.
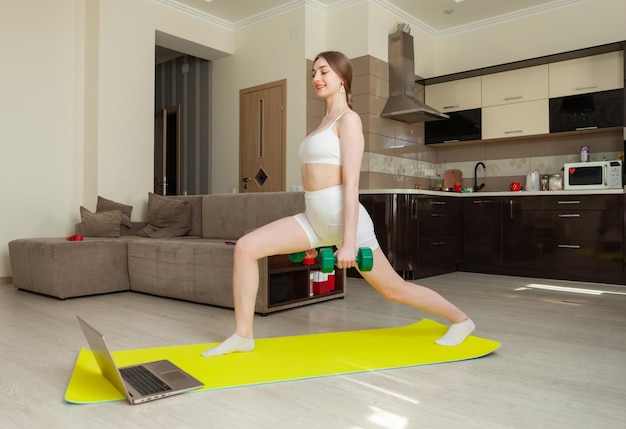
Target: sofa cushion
[(229, 216), (193, 269), (167, 217), (65, 269), (105, 224), (105, 205)]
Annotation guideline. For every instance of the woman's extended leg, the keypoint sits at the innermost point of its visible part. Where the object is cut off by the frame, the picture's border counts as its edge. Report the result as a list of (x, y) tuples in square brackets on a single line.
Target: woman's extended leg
[(276, 238), (389, 284)]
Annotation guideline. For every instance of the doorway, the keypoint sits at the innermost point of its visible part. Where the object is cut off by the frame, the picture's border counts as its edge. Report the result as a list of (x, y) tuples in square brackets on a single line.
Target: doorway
[(167, 151), (262, 135), (184, 82)]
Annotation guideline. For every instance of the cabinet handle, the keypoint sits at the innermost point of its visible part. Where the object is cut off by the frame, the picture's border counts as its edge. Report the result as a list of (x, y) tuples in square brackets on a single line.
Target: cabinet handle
[(451, 141), (482, 201), (580, 88), (586, 128), (569, 202), (437, 243), (513, 131), (437, 203), (451, 107), (437, 215), (570, 215), (569, 246), (511, 209), (517, 97)]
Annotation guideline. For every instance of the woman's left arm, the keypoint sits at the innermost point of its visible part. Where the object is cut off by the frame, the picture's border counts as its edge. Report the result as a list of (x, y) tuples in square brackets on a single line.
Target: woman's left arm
[(350, 131)]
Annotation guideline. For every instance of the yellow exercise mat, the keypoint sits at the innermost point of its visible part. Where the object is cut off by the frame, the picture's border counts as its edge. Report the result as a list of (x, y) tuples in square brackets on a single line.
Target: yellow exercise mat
[(287, 358)]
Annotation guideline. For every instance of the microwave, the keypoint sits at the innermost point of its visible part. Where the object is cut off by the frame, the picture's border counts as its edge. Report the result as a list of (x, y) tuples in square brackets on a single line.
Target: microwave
[(592, 175)]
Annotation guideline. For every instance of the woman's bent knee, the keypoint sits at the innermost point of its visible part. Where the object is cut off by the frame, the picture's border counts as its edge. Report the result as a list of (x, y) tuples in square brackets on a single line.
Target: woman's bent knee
[(244, 248)]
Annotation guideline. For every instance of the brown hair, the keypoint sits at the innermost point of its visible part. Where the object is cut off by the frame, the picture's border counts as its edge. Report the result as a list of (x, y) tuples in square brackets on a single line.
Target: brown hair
[(343, 67)]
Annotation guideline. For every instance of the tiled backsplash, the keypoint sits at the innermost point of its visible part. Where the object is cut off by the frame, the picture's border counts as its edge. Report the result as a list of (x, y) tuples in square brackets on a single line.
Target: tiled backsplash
[(396, 156)]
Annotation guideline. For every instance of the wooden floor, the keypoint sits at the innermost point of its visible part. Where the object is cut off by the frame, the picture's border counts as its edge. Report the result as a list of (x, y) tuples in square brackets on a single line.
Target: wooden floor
[(562, 362)]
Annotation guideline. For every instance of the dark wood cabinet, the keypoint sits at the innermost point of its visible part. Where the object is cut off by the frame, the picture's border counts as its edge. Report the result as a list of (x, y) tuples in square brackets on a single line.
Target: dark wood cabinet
[(570, 237), (405, 233), (438, 231), (512, 232), (577, 237), (492, 235), (380, 208), (482, 233), (417, 233)]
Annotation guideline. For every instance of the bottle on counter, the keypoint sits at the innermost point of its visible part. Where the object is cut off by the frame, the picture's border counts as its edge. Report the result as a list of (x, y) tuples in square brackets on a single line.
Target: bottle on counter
[(584, 153)]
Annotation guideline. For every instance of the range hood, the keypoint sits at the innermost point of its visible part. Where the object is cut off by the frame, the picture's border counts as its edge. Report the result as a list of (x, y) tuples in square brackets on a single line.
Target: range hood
[(402, 104)]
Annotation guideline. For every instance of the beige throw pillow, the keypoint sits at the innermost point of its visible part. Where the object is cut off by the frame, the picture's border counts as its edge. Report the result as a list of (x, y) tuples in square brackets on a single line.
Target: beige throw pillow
[(167, 217), (105, 205), (106, 224)]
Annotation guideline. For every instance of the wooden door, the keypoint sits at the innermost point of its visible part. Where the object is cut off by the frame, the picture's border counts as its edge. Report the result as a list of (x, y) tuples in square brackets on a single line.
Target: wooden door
[(262, 138)]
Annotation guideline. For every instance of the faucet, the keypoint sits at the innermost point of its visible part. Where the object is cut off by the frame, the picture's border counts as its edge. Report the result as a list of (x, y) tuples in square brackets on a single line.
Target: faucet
[(482, 185)]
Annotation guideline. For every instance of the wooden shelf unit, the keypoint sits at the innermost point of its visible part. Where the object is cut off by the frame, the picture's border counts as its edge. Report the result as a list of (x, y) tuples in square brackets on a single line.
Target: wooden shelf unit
[(289, 284)]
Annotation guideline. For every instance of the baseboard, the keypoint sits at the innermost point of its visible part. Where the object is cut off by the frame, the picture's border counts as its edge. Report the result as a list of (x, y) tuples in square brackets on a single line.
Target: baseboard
[(6, 280)]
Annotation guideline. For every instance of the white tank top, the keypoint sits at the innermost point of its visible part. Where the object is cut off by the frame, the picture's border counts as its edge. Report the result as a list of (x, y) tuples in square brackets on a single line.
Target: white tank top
[(322, 147)]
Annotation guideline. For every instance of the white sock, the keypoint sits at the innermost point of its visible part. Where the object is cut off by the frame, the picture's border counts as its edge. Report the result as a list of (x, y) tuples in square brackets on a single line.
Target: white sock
[(232, 344), (457, 333)]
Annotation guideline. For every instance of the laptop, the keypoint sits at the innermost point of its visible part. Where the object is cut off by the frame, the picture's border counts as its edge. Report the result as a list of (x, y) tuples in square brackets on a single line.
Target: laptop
[(139, 383)]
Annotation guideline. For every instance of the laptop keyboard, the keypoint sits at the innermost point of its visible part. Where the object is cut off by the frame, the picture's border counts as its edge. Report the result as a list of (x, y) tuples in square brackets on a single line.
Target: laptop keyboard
[(143, 380)]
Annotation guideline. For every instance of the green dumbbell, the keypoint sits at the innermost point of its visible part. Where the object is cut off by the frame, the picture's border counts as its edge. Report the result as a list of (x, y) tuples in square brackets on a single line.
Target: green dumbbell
[(364, 259)]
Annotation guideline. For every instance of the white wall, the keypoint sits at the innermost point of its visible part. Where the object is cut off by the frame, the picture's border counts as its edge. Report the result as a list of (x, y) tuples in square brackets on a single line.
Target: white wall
[(40, 118), (363, 29), (580, 25)]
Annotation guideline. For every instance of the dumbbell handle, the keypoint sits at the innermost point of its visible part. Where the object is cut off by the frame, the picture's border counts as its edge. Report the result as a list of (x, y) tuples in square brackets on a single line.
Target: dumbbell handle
[(327, 260), (364, 259)]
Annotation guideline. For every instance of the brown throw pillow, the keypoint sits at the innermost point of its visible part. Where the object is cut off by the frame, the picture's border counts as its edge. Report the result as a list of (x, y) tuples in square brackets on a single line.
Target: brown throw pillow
[(105, 205), (167, 217), (106, 224)]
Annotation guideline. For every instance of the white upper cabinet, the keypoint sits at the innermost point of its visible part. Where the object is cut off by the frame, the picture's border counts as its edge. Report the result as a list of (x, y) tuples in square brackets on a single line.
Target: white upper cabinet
[(462, 94), (515, 86), (517, 119), (589, 74)]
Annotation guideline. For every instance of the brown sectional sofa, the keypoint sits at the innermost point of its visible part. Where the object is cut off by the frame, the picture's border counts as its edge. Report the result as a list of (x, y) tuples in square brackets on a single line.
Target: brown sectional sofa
[(195, 267)]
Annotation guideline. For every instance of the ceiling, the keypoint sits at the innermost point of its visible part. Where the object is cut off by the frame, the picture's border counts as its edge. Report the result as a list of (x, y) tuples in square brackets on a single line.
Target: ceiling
[(437, 16)]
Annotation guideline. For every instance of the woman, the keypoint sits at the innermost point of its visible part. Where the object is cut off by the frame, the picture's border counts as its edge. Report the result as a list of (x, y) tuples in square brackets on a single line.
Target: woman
[(331, 158)]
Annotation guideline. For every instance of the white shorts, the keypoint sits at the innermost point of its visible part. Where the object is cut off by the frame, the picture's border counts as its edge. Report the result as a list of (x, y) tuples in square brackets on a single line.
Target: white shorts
[(323, 220)]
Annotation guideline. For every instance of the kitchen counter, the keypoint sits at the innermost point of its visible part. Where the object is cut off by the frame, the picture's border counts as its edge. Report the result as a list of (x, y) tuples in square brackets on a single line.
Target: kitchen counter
[(567, 235), (490, 193)]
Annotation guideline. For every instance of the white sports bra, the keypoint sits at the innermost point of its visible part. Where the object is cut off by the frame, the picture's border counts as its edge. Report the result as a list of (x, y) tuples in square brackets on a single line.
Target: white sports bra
[(322, 147)]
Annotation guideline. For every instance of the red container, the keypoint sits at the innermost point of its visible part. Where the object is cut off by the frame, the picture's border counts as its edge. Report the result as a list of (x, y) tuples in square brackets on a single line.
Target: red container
[(320, 288), (322, 282)]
